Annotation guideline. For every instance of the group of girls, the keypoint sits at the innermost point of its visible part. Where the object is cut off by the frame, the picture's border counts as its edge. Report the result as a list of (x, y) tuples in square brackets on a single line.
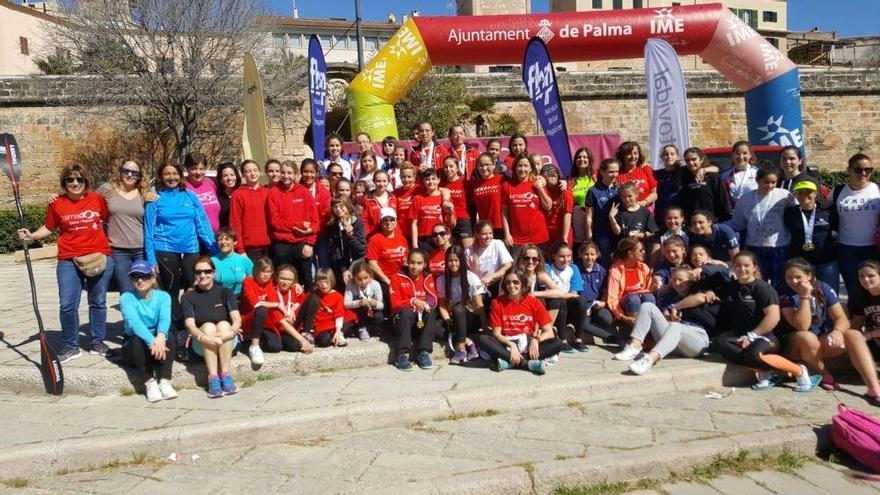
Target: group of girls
[(512, 261)]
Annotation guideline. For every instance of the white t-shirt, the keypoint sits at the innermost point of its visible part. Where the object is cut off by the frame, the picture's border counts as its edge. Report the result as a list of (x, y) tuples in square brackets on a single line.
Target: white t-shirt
[(763, 219), (475, 286), (858, 212), (743, 181), (490, 259), (345, 164)]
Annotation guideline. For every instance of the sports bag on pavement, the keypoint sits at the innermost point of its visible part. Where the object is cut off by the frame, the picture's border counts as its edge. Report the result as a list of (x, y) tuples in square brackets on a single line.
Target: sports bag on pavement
[(858, 434)]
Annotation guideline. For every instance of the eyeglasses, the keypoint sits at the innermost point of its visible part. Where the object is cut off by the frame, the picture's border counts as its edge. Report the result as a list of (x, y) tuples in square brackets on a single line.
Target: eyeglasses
[(335, 174), (75, 180), (141, 277), (863, 170), (441, 233), (389, 219), (130, 173), (533, 259), (204, 272)]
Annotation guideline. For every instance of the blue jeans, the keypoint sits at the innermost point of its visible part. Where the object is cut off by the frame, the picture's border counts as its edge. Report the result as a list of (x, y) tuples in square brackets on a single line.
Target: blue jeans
[(772, 260), (848, 258), (829, 273), (70, 286), (122, 260), (631, 303)]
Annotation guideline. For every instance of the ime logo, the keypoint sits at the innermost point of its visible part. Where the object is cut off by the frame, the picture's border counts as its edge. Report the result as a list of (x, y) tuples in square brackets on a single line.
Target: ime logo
[(540, 82)]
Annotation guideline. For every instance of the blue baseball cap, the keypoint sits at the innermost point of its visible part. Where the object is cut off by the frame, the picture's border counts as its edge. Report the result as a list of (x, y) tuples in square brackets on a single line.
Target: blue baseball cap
[(142, 267)]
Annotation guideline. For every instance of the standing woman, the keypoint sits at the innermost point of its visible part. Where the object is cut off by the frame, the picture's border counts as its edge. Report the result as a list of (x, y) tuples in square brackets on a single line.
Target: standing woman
[(517, 145), (308, 177), (405, 196), (558, 217), (749, 313), (522, 330), (293, 224), (742, 176), (84, 259), (459, 189), (581, 180), (465, 155), (487, 193), (791, 160), (375, 201), (212, 319), (247, 214), (365, 167), (600, 199), (334, 155), (669, 180), (811, 236), (146, 345), (196, 165), (346, 242), (634, 168), (761, 214), (176, 229), (523, 200), (125, 195), (702, 191), (228, 181), (856, 211), (273, 172)]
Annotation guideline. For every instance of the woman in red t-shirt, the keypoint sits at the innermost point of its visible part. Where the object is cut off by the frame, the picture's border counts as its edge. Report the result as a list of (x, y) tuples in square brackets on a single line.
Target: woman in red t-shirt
[(558, 217), (429, 209), (522, 330), (443, 240), (459, 195), (406, 195), (487, 193), (524, 199), (634, 168), (323, 313), (79, 215), (518, 145), (373, 203)]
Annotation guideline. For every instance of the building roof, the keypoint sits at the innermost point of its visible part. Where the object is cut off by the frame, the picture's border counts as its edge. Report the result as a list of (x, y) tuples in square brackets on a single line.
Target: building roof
[(31, 11), (272, 20)]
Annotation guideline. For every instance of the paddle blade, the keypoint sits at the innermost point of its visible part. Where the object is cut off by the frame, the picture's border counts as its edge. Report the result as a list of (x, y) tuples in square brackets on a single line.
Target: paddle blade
[(50, 368), (10, 158)]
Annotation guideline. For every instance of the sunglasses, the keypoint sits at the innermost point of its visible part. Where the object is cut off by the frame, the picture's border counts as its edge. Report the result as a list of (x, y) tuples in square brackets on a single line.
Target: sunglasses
[(335, 174), (389, 219), (204, 272), (530, 258), (75, 180), (130, 173), (141, 277), (442, 233), (864, 170)]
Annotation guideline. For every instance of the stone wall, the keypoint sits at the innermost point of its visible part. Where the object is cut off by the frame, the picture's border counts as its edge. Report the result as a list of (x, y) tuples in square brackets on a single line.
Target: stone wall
[(841, 112)]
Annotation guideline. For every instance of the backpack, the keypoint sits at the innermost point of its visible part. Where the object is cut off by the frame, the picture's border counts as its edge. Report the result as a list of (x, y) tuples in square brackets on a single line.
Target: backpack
[(858, 434)]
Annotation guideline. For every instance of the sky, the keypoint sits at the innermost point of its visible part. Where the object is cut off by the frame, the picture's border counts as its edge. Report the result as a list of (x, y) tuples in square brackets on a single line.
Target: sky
[(847, 17)]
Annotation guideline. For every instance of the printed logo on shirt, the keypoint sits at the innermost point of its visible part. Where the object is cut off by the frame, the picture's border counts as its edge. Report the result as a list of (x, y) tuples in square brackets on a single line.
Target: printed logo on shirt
[(851, 204), (518, 318), (524, 200), (487, 189), (84, 220)]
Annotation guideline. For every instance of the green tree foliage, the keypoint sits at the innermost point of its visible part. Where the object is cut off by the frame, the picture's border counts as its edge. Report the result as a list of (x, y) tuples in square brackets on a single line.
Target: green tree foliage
[(441, 98)]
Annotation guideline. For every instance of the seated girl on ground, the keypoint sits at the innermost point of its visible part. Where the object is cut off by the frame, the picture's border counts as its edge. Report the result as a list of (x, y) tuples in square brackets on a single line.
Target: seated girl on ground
[(571, 320), (672, 331), (461, 315), (630, 281), (522, 331), (413, 299), (323, 313), (861, 341), (212, 319), (363, 297), (599, 319)]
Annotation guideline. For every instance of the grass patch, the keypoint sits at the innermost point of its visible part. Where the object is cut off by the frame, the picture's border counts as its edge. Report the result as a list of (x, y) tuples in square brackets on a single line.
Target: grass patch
[(137, 459), (16, 482), (578, 406), (421, 426), (488, 413), (126, 391), (720, 465)]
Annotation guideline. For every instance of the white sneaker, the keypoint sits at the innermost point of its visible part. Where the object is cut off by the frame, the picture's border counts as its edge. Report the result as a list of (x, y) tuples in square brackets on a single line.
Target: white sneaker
[(153, 393), (628, 353), (641, 366), (256, 355), (552, 360), (167, 389), (341, 342)]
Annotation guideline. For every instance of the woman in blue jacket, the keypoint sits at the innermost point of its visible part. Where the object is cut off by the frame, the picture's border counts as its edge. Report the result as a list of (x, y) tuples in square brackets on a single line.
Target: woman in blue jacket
[(147, 316), (175, 225)]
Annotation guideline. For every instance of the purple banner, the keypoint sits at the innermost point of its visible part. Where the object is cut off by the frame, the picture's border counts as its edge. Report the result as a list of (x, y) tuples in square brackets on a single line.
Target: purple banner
[(540, 80), (317, 95)]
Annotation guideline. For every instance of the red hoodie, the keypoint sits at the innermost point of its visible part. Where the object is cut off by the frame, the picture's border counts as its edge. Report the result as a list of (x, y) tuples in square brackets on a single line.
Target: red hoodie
[(322, 198), (468, 159), (292, 207), (404, 289), (417, 156), (247, 217)]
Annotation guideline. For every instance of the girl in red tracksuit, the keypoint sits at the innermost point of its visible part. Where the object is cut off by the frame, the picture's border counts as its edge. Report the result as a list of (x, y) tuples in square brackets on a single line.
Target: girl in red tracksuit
[(413, 303), (268, 310), (373, 203), (464, 154), (323, 313), (293, 224), (247, 214)]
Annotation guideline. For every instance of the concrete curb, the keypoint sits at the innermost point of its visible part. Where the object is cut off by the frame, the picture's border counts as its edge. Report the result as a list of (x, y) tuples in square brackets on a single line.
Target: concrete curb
[(102, 380), (49, 457)]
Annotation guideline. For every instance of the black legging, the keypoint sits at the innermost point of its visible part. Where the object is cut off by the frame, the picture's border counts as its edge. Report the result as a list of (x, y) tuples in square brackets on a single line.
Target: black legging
[(176, 273), (406, 324), (269, 340), (599, 323), (372, 321), (462, 320), (496, 349), (730, 348), (256, 253), (284, 253), (136, 352), (571, 311)]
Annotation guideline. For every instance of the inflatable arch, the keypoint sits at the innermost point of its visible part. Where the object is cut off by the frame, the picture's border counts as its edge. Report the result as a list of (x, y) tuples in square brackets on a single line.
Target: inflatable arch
[(768, 78)]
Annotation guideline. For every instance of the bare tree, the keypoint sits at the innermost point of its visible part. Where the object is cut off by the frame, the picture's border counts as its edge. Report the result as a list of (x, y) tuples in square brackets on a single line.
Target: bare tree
[(175, 63)]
